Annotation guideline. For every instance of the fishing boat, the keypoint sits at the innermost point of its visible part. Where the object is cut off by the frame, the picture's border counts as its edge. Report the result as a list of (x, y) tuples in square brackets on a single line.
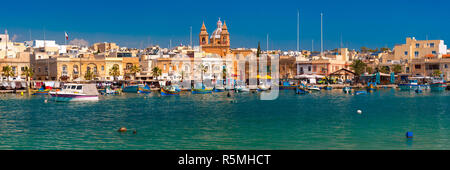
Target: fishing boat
[(263, 87), (328, 87), (130, 89), (438, 84), (201, 89), (144, 90), (411, 85), (313, 88), (170, 90), (41, 91), (347, 89), (219, 89), (108, 90), (371, 86), (76, 92), (288, 85), (301, 90)]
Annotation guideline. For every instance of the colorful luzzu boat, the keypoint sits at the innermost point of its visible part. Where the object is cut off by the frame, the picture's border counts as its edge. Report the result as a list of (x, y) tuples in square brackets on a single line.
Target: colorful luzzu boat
[(201, 89), (288, 85), (42, 91), (145, 90), (76, 92), (438, 84), (170, 90)]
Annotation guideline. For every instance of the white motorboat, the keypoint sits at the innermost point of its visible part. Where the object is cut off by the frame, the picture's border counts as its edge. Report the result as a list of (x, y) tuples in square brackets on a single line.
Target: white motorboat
[(76, 92)]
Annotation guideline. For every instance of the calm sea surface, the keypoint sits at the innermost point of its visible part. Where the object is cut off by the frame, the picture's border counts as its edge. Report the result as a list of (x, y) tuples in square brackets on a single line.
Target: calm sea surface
[(322, 120)]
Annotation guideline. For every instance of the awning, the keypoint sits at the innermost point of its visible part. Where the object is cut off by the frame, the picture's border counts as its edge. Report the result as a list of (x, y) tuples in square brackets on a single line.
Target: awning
[(303, 76)]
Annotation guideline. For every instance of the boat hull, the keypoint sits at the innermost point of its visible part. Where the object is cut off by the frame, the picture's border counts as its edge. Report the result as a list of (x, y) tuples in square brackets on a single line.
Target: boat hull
[(438, 86), (40, 93), (130, 89), (73, 97), (201, 91), (169, 93)]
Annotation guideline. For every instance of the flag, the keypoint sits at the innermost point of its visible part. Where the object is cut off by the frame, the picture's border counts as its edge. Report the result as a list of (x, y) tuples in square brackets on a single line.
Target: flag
[(67, 36)]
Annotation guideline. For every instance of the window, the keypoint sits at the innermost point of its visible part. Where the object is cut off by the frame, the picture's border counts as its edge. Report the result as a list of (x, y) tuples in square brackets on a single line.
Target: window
[(416, 54), (309, 68), (431, 45), (301, 69), (73, 87), (417, 66), (417, 45), (103, 68), (433, 52), (445, 66), (79, 87), (164, 67), (406, 52)]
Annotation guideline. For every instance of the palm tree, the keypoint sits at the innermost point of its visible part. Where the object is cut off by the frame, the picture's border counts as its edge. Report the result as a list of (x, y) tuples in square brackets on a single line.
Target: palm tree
[(156, 72), (89, 75), (135, 69), (203, 69), (182, 76), (114, 71), (8, 72), (28, 72)]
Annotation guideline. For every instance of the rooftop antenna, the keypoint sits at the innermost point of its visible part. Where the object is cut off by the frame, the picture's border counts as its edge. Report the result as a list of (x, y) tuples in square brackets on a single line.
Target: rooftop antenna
[(312, 45), (267, 48)]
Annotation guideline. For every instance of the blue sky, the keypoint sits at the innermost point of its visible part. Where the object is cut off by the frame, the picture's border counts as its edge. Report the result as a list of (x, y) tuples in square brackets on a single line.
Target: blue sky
[(140, 23)]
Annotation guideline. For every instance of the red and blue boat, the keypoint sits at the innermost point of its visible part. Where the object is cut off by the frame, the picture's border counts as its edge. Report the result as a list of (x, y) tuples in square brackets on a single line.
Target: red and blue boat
[(438, 84), (170, 90)]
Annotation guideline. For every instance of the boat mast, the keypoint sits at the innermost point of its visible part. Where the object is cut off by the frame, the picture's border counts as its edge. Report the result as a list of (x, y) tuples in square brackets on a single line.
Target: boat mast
[(321, 34)]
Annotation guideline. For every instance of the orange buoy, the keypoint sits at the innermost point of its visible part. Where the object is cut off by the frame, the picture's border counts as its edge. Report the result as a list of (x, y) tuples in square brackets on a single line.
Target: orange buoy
[(122, 129)]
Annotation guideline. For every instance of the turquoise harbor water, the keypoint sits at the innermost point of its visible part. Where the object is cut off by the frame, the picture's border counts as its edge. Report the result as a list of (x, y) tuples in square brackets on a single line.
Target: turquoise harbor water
[(323, 120)]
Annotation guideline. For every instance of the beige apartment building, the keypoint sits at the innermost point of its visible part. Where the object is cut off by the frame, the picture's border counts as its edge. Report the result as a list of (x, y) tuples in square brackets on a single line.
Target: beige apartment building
[(104, 47), (417, 49)]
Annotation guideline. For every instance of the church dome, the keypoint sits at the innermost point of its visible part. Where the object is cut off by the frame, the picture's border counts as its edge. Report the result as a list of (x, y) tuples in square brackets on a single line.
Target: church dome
[(218, 31)]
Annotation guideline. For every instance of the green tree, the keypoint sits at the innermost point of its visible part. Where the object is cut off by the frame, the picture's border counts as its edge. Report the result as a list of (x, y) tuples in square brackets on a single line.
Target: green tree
[(397, 68), (8, 72), (369, 70), (258, 51), (437, 73), (156, 72), (134, 70), (114, 71), (383, 69), (28, 72), (385, 49), (358, 67), (364, 49)]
